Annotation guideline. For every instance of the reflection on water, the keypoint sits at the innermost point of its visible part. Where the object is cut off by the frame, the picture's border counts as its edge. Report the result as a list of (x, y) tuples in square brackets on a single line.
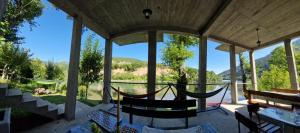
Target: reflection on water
[(95, 91)]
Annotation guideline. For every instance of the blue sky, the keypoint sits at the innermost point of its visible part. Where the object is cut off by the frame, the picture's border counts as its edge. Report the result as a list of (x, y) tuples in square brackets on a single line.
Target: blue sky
[(51, 40)]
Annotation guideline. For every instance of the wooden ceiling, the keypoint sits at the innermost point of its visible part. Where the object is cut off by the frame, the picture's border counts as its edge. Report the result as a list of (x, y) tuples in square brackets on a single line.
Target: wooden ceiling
[(228, 21)]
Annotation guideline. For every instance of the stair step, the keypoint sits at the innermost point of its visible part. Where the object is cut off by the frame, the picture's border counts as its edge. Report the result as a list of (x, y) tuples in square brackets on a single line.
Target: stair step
[(52, 107), (41, 103), (27, 97), (5, 86), (14, 92), (61, 109)]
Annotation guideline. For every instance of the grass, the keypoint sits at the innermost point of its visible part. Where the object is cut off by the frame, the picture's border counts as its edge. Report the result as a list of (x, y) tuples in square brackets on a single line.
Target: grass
[(54, 98), (90, 102)]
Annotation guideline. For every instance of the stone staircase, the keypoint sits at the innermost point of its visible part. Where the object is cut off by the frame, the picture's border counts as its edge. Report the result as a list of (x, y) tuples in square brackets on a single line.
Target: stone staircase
[(15, 98)]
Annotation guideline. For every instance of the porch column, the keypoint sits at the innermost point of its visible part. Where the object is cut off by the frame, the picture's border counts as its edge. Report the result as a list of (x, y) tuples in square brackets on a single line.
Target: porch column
[(202, 71), (233, 75), (107, 70), (291, 64), (72, 85), (151, 78), (253, 70)]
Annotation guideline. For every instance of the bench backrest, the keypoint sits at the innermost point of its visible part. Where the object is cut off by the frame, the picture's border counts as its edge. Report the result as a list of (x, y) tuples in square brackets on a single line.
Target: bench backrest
[(144, 107)]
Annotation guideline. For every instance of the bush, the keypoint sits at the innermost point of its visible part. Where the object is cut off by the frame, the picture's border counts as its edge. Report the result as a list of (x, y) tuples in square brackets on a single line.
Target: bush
[(95, 128), (82, 92)]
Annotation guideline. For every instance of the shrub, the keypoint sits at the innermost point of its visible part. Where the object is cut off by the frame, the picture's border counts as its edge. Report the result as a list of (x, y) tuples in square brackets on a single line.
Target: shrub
[(82, 92)]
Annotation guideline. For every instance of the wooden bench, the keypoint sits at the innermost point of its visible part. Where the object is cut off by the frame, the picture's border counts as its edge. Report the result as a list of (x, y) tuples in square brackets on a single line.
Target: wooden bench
[(168, 108), (278, 98)]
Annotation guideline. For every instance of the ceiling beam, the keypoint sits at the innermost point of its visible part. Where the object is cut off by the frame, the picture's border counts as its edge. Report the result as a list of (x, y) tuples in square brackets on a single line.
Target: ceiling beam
[(275, 41), (205, 29), (223, 40), (72, 10), (158, 28)]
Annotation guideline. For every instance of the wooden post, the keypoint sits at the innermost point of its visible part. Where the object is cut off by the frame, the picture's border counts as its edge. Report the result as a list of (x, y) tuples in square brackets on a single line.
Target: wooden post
[(151, 79), (202, 71), (253, 70), (291, 64), (72, 85), (107, 71), (234, 94)]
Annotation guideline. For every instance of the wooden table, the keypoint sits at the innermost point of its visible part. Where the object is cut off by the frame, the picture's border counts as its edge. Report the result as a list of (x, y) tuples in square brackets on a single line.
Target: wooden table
[(286, 118)]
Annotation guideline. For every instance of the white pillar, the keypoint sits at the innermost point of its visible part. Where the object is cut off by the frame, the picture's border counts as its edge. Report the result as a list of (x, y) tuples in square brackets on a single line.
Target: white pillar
[(253, 70), (234, 97), (151, 79), (72, 85), (107, 70), (291, 64), (202, 71)]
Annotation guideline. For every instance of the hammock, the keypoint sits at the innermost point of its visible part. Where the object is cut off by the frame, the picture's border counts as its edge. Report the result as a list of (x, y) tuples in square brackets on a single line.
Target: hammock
[(136, 96), (204, 95)]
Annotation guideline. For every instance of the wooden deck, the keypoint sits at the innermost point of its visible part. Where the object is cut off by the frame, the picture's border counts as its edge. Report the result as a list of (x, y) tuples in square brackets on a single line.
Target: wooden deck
[(223, 123)]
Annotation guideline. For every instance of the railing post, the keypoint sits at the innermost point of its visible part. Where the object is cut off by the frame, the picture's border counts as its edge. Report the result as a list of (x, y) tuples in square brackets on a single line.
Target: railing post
[(202, 71), (107, 71)]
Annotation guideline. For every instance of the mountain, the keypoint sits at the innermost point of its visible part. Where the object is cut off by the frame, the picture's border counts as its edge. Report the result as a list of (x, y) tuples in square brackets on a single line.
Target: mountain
[(262, 63)]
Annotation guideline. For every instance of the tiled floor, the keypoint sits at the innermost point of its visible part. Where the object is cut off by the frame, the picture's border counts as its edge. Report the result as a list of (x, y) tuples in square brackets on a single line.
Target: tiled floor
[(223, 123)]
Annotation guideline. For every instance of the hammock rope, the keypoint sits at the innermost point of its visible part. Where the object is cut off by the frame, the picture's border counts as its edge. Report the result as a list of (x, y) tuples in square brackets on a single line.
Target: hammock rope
[(137, 96), (204, 95)]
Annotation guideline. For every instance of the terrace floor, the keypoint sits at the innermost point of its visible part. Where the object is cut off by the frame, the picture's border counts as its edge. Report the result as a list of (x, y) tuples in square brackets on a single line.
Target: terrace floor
[(222, 122)]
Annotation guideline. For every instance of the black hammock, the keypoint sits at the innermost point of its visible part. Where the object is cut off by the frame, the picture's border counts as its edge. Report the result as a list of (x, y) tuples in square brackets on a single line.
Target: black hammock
[(137, 96), (205, 95)]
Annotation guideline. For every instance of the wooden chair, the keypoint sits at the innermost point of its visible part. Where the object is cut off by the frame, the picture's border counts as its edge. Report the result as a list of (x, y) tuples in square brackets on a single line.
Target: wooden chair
[(251, 125), (264, 126)]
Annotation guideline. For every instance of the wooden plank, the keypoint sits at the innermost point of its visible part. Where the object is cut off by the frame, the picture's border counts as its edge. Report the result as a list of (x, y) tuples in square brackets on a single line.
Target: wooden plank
[(275, 95), (215, 16), (292, 91), (160, 114), (220, 39), (157, 28), (158, 103), (278, 40)]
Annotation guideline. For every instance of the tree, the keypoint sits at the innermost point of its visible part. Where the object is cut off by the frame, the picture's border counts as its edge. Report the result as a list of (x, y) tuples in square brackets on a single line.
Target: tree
[(276, 77), (278, 58), (244, 65), (174, 55), (91, 62), (53, 72), (12, 59), (17, 13), (39, 69)]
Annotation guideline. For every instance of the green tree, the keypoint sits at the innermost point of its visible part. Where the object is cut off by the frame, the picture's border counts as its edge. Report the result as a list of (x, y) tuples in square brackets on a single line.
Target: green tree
[(53, 72), (39, 68), (17, 13), (176, 52), (91, 62), (12, 59), (276, 77), (174, 55), (278, 58)]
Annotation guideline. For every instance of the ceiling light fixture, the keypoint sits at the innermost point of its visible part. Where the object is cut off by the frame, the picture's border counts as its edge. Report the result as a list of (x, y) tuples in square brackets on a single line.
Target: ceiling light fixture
[(147, 12), (258, 41)]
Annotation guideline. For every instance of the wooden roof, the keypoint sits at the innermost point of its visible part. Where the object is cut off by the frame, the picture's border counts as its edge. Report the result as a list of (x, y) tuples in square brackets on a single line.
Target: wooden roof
[(228, 21)]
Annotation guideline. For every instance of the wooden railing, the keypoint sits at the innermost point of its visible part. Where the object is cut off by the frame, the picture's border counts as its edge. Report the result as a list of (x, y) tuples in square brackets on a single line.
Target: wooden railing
[(278, 99), (292, 91)]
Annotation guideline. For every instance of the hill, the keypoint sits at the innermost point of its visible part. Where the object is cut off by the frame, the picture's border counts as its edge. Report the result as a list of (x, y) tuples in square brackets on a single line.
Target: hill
[(262, 63)]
